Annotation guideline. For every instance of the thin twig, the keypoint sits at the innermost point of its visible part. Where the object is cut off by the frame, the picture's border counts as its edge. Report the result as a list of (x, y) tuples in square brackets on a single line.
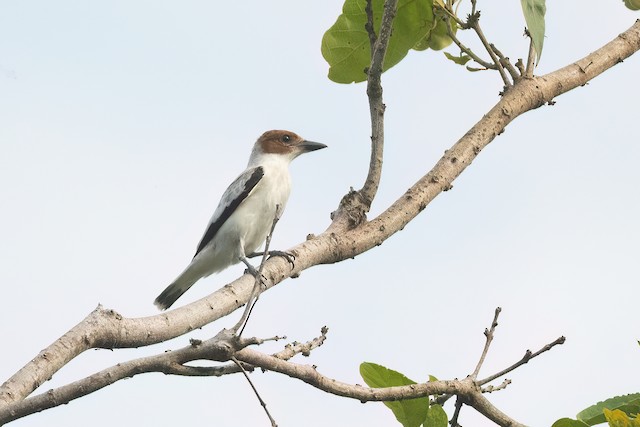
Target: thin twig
[(467, 50), (257, 285), (475, 24), (520, 67), (255, 390), (305, 349), (527, 356), (488, 333), (502, 386), (451, 14), (456, 413), (515, 74), (531, 57), (369, 25)]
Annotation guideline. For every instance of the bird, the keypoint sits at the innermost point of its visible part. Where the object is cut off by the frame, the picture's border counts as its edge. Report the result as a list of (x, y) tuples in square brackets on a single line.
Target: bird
[(245, 213)]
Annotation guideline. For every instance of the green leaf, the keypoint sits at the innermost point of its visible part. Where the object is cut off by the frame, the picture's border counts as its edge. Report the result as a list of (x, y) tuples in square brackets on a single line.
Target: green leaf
[(436, 417), (410, 413), (345, 46), (632, 4), (617, 418), (534, 11), (629, 404), (437, 38), (568, 422), (460, 60)]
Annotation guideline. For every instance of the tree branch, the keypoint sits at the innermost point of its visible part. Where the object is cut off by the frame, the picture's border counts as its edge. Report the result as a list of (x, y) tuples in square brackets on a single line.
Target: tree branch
[(531, 57), (467, 388), (255, 391), (474, 22), (355, 205), (220, 348), (469, 52), (376, 106), (451, 15), (506, 63), (488, 333), (525, 359)]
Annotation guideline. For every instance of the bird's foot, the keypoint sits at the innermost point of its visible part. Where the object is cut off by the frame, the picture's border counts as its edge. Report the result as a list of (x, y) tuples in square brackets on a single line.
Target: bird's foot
[(286, 255), (252, 270)]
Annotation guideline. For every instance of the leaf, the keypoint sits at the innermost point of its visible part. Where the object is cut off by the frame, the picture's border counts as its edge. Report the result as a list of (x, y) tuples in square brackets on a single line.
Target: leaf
[(568, 422), (534, 11), (345, 46), (436, 417), (410, 413), (437, 38), (630, 404), (632, 4), (617, 418), (460, 60)]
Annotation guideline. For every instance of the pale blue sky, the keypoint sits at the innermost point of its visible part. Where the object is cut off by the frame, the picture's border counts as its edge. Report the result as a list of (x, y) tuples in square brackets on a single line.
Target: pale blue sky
[(122, 122)]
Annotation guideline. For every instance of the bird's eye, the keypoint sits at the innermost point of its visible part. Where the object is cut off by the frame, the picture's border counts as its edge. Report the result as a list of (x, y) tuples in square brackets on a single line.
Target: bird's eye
[(285, 138)]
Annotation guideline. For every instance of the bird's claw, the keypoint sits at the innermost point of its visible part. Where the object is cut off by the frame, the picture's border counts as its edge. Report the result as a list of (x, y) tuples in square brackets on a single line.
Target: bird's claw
[(286, 255), (255, 273)]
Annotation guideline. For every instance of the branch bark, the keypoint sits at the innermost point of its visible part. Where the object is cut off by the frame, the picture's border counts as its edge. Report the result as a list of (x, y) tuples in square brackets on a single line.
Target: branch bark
[(107, 329)]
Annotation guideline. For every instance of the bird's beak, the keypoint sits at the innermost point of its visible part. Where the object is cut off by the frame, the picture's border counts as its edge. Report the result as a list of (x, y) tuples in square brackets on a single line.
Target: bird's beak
[(307, 146)]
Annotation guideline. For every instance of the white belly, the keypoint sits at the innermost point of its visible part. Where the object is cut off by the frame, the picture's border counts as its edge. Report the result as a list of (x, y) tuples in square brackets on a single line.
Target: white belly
[(247, 228)]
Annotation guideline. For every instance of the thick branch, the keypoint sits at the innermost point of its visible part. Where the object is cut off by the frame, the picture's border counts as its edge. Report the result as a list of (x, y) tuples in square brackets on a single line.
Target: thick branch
[(106, 329)]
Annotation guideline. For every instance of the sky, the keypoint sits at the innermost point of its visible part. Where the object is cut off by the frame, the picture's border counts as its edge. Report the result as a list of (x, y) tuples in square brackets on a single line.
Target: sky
[(122, 122)]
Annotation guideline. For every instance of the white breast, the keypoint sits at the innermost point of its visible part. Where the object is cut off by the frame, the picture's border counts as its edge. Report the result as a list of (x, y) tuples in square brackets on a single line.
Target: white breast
[(256, 213)]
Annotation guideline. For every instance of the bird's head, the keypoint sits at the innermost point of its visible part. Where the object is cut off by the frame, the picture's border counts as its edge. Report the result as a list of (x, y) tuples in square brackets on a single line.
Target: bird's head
[(283, 143)]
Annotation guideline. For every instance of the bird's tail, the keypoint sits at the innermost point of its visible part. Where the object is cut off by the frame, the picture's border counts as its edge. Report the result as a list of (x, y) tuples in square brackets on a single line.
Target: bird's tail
[(174, 291)]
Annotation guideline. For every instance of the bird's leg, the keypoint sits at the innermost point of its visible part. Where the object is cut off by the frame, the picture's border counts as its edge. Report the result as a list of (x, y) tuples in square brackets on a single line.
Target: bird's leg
[(286, 255), (250, 268), (259, 283)]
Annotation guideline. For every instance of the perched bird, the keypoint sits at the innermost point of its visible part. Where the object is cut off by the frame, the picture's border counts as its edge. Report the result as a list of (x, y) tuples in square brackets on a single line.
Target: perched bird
[(246, 211)]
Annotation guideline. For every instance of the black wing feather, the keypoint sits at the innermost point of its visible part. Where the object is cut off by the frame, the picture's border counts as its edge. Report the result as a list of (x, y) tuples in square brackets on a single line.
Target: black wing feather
[(214, 226)]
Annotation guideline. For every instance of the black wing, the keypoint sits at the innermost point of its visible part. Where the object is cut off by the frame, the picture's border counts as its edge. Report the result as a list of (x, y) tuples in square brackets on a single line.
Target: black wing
[(231, 199)]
